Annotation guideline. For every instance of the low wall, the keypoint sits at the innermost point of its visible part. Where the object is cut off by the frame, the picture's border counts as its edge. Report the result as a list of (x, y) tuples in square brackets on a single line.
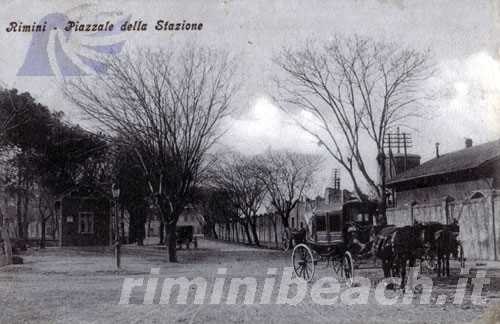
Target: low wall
[(479, 221)]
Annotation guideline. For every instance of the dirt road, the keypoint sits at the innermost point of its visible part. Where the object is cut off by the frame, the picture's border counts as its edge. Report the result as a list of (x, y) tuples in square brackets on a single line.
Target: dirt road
[(81, 285)]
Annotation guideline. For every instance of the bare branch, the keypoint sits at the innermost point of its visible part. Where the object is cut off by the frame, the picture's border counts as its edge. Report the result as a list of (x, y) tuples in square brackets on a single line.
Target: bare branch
[(354, 88)]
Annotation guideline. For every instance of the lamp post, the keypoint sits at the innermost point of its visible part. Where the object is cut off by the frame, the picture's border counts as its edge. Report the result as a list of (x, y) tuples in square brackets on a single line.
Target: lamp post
[(116, 194)]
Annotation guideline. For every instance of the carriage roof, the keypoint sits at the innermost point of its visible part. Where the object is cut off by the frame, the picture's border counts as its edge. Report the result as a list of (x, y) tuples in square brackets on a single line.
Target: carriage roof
[(356, 203)]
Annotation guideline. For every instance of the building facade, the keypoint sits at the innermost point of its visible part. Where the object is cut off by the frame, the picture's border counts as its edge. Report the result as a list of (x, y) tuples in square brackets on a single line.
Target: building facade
[(461, 186), (84, 219)]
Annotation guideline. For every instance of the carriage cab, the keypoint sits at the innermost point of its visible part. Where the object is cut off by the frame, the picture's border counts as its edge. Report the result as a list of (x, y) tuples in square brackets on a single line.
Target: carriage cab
[(327, 227), (363, 216)]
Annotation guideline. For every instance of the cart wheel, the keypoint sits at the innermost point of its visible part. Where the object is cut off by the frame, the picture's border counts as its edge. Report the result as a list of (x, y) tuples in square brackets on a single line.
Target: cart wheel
[(348, 268), (461, 257), (303, 262)]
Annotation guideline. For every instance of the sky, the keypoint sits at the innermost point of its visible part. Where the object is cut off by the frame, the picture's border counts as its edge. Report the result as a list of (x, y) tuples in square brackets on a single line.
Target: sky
[(464, 37)]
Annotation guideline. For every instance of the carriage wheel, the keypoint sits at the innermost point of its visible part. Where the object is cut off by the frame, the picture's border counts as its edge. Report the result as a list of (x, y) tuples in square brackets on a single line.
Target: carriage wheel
[(348, 268), (461, 257), (303, 262)]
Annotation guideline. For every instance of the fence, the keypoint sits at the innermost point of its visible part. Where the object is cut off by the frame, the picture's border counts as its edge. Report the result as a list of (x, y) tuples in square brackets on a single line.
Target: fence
[(478, 217), (269, 235)]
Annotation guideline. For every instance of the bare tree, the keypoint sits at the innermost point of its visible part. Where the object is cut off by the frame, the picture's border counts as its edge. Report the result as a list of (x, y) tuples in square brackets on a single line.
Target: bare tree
[(238, 176), (287, 176), (168, 106), (356, 89), (216, 207), (11, 116)]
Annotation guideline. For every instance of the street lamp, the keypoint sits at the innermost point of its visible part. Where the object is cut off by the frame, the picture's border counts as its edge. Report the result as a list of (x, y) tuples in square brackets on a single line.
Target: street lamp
[(115, 191)]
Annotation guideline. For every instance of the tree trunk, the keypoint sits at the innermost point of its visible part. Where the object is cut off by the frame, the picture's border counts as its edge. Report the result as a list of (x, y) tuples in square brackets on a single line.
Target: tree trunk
[(140, 232), (247, 232), (162, 233), (19, 216), (275, 228), (122, 224), (255, 235), (25, 216), (237, 229), (172, 243), (132, 228), (214, 231), (42, 236), (54, 226), (284, 220), (253, 226), (381, 164)]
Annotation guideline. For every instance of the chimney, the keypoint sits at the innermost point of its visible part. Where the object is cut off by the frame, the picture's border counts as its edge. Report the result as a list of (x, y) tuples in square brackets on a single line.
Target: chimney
[(468, 142), (437, 150)]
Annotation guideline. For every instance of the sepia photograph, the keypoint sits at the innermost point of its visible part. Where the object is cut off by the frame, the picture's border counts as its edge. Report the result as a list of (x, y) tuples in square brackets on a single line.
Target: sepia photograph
[(237, 161)]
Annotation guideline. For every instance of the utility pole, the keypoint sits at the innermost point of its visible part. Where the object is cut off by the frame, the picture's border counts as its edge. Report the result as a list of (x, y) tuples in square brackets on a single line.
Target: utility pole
[(398, 141), (393, 141), (336, 179)]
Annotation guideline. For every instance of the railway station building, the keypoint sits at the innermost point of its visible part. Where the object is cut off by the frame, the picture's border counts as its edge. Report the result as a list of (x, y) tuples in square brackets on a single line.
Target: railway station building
[(461, 185)]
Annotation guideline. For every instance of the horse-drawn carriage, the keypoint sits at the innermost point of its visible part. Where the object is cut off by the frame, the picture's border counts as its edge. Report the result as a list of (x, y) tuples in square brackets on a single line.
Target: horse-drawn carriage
[(358, 231), (335, 237), (185, 235)]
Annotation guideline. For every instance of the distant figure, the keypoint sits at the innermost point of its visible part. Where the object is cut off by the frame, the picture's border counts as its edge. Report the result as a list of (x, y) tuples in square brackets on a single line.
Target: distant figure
[(352, 233)]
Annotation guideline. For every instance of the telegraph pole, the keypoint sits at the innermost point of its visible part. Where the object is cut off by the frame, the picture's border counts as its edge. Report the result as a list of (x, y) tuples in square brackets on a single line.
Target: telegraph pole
[(398, 141), (393, 141)]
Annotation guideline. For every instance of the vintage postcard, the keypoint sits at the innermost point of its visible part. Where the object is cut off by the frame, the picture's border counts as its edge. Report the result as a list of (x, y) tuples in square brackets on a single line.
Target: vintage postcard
[(231, 161)]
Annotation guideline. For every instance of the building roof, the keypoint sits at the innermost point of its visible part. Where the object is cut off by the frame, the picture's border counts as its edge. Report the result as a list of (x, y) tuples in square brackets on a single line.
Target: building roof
[(465, 159)]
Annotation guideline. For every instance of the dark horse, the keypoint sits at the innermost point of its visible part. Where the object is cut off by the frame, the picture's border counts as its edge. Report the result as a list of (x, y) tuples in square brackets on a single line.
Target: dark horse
[(398, 247), (446, 243), (382, 249), (408, 245)]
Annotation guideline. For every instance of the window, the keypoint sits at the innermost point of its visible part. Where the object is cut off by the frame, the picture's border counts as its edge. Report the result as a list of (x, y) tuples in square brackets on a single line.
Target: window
[(320, 223), (334, 222), (390, 199), (86, 223), (361, 218), (477, 195)]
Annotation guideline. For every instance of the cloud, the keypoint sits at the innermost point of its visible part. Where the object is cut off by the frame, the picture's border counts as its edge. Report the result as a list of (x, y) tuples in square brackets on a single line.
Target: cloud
[(266, 126), (470, 102)]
